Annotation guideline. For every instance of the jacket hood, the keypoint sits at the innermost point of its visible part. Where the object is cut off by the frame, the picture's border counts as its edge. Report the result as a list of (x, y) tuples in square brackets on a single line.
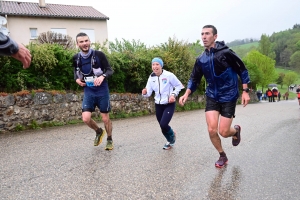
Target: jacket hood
[(219, 45)]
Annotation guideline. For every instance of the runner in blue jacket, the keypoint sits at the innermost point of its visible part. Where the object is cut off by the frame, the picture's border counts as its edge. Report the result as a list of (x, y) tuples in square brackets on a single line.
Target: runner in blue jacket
[(166, 87), (221, 67)]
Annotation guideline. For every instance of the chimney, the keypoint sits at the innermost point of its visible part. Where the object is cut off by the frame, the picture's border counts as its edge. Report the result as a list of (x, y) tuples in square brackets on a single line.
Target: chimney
[(42, 3)]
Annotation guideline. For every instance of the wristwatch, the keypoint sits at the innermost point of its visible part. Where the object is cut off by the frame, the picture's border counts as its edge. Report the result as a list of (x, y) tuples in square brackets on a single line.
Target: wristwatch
[(246, 90), (104, 75)]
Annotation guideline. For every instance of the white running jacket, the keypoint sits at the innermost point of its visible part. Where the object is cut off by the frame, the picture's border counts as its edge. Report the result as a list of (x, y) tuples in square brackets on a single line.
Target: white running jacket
[(164, 85)]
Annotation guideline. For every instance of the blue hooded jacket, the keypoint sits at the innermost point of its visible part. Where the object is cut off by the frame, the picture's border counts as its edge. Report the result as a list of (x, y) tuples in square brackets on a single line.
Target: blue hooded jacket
[(220, 67)]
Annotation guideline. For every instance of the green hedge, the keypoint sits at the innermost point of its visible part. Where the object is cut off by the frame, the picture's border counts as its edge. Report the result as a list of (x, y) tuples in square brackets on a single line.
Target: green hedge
[(51, 67)]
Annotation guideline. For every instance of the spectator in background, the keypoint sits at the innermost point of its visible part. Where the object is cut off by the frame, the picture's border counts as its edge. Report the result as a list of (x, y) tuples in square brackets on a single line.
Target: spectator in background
[(298, 94), (286, 95), (275, 94), (264, 96), (279, 95), (259, 94), (269, 94)]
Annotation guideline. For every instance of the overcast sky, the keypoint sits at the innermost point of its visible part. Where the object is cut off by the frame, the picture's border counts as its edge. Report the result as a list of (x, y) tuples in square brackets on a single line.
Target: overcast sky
[(153, 21)]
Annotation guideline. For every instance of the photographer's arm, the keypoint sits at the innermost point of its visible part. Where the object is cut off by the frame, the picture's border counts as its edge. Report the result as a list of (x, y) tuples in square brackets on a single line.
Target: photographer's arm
[(9, 47)]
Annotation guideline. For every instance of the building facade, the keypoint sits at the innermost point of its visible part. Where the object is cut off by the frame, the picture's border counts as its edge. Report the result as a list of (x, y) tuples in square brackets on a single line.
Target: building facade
[(24, 21)]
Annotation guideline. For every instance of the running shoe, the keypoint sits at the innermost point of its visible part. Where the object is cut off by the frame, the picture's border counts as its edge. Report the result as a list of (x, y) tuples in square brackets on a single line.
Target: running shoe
[(174, 140), (236, 141), (221, 162), (167, 146), (99, 137), (109, 145)]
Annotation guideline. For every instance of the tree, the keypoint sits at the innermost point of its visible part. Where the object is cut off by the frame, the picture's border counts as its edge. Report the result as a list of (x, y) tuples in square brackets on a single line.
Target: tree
[(265, 65), (179, 58), (285, 57), (265, 46), (196, 48), (243, 51), (254, 73), (279, 42), (298, 45), (56, 38), (295, 61), (296, 26), (280, 79), (293, 43), (290, 78)]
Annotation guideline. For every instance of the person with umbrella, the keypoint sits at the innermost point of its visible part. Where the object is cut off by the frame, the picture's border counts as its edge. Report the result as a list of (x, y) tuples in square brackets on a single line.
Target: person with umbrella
[(275, 93), (272, 85)]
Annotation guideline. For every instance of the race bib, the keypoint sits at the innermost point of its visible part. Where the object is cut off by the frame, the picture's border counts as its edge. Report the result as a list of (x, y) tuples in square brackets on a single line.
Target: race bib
[(89, 80)]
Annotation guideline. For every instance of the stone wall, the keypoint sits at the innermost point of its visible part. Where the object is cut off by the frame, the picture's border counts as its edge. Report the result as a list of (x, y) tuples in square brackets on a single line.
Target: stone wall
[(44, 107)]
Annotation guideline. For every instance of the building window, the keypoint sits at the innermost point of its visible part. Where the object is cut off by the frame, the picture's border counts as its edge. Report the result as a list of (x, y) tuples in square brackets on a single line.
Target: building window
[(33, 33), (59, 30), (61, 33), (90, 33)]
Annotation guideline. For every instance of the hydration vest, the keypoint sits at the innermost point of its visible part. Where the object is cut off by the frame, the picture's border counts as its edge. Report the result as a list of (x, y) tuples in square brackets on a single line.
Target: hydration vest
[(94, 71)]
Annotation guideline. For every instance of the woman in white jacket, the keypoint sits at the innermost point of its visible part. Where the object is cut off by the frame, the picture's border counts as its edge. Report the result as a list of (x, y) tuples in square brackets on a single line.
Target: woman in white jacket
[(166, 87)]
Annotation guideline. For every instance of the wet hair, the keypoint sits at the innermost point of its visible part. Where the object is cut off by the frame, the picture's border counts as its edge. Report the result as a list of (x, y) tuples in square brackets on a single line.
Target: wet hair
[(81, 34), (214, 30)]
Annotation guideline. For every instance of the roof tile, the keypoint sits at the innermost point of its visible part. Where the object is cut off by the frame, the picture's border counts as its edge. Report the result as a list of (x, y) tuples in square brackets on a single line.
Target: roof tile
[(51, 10)]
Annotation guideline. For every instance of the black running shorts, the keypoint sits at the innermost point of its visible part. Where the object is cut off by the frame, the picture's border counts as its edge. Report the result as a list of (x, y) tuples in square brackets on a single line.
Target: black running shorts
[(226, 109)]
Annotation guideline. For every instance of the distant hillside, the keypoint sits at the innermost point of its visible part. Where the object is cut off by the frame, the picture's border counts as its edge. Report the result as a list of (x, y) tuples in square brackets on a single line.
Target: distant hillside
[(283, 47), (245, 46), (241, 42), (242, 50)]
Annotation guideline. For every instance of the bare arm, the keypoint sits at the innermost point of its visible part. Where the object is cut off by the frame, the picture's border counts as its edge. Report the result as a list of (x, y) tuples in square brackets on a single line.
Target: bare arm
[(9, 47), (23, 55)]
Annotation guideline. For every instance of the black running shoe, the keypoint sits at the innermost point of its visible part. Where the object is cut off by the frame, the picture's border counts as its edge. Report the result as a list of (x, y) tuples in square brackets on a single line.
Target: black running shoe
[(221, 162), (237, 141)]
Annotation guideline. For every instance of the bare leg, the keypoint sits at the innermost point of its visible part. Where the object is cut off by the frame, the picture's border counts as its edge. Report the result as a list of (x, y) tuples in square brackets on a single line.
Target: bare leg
[(225, 128), (87, 119), (107, 123), (212, 120)]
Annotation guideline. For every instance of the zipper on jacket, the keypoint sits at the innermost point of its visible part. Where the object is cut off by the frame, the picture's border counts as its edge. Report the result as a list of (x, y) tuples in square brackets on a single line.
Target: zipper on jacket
[(211, 62), (159, 89)]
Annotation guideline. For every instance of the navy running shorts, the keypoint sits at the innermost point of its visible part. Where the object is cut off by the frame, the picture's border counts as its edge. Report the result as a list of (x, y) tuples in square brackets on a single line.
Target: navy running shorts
[(90, 102)]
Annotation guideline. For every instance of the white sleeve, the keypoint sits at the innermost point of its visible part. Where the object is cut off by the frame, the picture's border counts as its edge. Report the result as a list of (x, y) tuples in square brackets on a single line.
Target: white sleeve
[(149, 88), (178, 86)]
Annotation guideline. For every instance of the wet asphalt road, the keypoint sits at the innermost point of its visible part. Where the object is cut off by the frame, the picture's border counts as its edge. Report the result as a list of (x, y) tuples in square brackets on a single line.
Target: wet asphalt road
[(62, 163)]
